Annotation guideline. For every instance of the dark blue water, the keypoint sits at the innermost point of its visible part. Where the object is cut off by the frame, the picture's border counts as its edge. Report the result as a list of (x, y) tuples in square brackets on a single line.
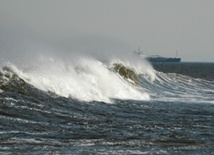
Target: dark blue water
[(177, 119)]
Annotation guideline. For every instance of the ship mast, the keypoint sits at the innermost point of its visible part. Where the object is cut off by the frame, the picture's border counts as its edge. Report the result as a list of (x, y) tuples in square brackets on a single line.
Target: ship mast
[(139, 52)]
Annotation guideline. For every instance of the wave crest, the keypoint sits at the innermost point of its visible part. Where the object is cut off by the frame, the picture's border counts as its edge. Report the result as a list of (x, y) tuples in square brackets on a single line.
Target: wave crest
[(127, 73), (85, 80)]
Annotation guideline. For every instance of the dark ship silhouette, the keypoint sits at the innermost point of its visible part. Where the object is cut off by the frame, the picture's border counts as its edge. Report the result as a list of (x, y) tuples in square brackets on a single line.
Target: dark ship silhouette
[(157, 58), (162, 59)]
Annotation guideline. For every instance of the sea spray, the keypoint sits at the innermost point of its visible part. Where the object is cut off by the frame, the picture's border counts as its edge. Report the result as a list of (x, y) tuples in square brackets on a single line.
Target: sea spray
[(85, 79)]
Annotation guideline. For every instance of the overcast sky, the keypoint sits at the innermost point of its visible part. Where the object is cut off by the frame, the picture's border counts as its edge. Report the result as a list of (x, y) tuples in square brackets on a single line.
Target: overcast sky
[(158, 26)]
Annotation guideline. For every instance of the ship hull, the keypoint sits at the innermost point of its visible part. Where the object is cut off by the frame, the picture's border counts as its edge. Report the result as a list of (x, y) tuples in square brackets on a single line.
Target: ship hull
[(162, 59)]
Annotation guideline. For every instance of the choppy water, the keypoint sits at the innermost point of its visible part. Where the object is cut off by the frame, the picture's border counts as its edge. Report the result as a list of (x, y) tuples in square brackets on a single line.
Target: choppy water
[(87, 108)]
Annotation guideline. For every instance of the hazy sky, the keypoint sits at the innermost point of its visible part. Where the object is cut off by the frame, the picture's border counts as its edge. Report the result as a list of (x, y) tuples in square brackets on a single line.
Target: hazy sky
[(157, 26)]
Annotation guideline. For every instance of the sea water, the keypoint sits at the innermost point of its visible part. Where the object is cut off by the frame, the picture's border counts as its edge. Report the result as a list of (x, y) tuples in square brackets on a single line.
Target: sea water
[(85, 107)]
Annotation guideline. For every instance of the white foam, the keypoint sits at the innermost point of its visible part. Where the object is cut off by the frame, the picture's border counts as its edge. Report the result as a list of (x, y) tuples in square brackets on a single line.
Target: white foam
[(85, 79)]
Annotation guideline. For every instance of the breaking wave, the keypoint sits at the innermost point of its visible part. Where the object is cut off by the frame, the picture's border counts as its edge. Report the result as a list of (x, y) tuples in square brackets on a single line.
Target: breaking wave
[(85, 80), (93, 80)]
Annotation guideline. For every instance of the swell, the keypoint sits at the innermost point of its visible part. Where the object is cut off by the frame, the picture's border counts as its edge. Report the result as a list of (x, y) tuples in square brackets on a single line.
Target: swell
[(182, 88), (92, 80), (195, 70), (87, 80)]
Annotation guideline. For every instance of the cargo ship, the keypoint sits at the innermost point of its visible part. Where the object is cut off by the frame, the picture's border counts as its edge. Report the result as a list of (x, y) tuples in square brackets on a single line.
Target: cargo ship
[(157, 58)]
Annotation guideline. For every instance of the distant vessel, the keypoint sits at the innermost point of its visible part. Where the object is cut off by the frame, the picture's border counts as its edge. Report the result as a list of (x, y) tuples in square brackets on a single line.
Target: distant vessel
[(157, 58)]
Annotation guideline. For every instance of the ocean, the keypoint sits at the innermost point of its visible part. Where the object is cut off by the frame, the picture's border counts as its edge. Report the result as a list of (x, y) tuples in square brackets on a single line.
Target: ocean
[(94, 107)]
